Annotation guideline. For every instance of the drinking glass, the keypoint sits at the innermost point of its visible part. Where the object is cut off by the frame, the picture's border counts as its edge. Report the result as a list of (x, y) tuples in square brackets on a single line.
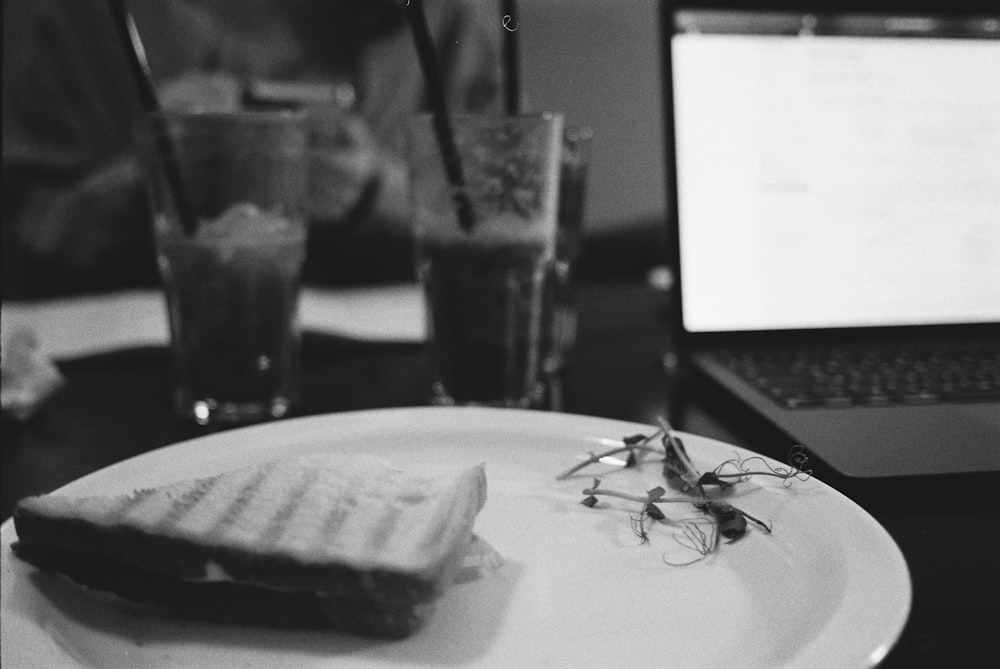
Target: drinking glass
[(228, 193), (485, 226)]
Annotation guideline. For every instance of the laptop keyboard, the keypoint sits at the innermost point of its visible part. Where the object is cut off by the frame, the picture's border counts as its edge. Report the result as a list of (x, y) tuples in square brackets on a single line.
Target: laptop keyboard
[(838, 376)]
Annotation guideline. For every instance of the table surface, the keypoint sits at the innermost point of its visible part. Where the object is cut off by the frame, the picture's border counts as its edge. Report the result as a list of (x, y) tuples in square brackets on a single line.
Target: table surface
[(117, 405)]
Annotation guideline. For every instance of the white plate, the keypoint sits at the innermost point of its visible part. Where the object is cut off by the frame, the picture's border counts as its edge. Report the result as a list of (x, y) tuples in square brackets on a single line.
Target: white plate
[(828, 588)]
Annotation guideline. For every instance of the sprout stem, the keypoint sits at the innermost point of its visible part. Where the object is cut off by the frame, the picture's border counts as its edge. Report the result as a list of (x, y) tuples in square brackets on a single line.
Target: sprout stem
[(642, 499)]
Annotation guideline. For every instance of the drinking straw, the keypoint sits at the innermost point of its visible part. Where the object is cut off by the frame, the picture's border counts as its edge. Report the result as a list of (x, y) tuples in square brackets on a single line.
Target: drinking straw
[(143, 78), (512, 72), (439, 108)]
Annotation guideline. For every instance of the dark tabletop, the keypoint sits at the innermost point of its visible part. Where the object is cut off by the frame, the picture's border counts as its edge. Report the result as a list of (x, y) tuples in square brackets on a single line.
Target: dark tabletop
[(118, 405)]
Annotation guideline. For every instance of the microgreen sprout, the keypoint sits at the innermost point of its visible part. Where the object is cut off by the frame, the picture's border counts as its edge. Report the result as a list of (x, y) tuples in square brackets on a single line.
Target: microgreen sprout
[(700, 535), (649, 502), (741, 471), (718, 518), (634, 447)]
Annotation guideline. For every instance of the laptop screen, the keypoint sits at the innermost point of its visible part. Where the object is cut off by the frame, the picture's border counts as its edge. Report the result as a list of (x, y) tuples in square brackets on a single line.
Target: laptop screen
[(835, 170)]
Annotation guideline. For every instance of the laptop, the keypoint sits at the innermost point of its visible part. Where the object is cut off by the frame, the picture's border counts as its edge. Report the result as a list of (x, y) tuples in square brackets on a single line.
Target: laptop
[(834, 210)]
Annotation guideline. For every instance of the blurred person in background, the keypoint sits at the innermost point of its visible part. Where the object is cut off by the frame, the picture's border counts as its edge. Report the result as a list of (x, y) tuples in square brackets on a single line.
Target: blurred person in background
[(75, 215)]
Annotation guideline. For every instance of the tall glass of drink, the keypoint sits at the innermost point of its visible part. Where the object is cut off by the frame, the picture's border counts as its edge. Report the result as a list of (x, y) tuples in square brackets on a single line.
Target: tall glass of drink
[(485, 226), (228, 193)]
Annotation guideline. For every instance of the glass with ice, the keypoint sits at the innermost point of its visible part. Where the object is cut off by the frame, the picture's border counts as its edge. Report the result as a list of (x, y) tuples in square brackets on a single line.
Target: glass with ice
[(228, 193), (484, 244)]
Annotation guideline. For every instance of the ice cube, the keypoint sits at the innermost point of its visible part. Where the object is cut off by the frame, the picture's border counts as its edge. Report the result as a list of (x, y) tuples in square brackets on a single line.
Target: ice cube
[(245, 221)]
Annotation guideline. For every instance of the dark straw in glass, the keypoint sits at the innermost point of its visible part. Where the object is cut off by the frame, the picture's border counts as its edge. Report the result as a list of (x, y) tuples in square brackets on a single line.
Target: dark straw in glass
[(511, 61), (141, 75), (439, 108)]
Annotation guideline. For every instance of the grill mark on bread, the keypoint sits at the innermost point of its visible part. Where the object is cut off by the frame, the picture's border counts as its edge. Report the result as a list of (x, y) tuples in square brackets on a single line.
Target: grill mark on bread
[(239, 503), (187, 502), (437, 533), (382, 529), (147, 510), (286, 513), (129, 502), (334, 521)]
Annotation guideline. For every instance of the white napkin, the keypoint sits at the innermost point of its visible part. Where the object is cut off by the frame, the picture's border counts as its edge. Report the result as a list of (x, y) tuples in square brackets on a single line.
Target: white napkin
[(79, 326), (27, 376)]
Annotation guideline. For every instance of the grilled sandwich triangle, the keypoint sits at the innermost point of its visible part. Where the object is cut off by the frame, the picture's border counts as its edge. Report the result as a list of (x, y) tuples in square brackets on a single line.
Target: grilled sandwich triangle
[(330, 541)]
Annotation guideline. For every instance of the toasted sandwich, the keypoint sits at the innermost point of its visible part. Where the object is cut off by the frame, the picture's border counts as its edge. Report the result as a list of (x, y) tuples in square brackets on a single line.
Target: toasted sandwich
[(331, 541)]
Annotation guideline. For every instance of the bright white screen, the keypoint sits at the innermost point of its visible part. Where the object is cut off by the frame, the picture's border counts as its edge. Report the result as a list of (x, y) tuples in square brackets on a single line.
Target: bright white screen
[(834, 181)]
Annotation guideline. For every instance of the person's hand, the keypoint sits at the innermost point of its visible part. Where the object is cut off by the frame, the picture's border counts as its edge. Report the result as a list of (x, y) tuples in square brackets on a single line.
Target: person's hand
[(344, 167), (201, 91)]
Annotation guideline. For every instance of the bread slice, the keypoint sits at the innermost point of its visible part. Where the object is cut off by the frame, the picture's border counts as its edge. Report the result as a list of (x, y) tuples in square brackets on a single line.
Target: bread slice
[(319, 541)]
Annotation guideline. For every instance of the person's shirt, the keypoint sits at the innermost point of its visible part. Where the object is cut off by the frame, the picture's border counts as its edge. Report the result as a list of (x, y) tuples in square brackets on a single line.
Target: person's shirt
[(75, 217)]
